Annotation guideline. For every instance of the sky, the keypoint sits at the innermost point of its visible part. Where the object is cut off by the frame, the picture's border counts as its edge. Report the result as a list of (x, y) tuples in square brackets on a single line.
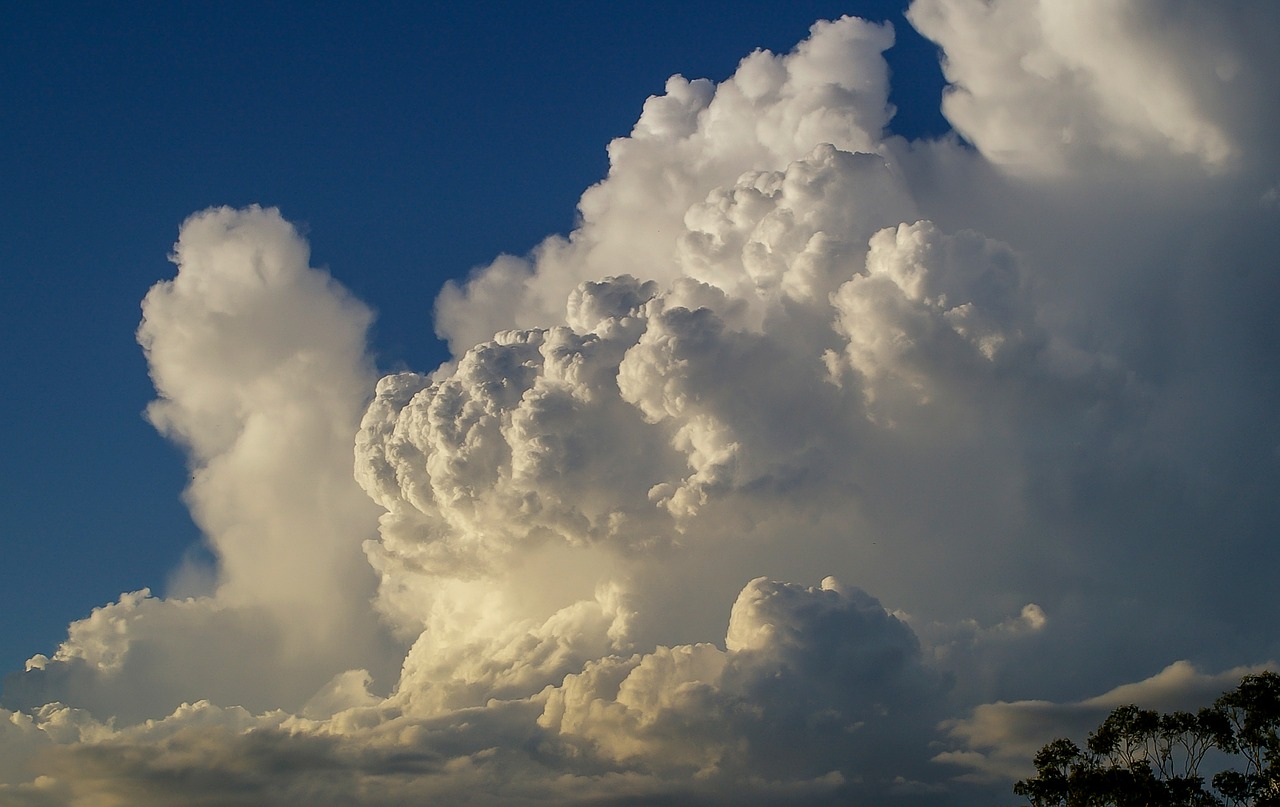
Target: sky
[(628, 405), (412, 146)]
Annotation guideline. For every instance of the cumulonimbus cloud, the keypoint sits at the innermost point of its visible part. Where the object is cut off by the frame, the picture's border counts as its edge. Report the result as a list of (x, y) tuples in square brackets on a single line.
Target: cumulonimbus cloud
[(1029, 404)]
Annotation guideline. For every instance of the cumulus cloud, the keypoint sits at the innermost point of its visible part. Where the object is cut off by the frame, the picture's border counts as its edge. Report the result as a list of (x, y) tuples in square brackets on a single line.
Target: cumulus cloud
[(1045, 86), (813, 693), (690, 142), (260, 366), (812, 683), (1028, 403)]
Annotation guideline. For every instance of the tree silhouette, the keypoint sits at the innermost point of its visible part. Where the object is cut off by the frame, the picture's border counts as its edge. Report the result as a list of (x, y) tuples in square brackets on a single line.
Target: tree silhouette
[(1142, 758), (1251, 731)]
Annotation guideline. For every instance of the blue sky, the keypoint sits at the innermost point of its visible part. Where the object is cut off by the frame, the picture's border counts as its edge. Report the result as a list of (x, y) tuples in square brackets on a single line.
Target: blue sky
[(413, 143), (798, 431)]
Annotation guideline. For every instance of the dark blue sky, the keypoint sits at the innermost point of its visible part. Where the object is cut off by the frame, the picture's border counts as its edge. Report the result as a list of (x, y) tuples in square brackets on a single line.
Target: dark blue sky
[(410, 142)]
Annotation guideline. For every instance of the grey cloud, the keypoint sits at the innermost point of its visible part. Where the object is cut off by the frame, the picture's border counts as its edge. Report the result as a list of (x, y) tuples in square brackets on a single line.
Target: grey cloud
[(998, 740)]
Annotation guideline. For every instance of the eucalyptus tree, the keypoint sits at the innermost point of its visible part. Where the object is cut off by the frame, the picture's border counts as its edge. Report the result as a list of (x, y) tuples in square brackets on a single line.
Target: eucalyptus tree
[(1143, 758)]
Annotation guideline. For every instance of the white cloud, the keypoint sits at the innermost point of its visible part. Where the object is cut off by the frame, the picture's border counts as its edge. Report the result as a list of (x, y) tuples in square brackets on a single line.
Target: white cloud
[(1047, 86), (935, 314), (1025, 391), (812, 682), (817, 695), (260, 366), (694, 140)]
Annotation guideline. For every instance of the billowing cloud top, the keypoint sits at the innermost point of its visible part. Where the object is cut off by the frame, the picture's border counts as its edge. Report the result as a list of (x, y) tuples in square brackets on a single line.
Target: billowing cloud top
[(1020, 385)]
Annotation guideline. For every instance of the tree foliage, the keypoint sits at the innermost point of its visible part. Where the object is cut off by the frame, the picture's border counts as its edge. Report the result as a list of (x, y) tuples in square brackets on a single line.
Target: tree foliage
[(1142, 758)]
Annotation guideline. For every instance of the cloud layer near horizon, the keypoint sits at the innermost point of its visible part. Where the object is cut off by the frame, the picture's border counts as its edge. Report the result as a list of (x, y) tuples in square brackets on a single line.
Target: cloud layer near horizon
[(1022, 391)]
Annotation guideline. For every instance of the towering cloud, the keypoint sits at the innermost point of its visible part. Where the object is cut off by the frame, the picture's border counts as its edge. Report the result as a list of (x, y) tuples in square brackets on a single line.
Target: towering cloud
[(1017, 392), (260, 367), (690, 148)]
